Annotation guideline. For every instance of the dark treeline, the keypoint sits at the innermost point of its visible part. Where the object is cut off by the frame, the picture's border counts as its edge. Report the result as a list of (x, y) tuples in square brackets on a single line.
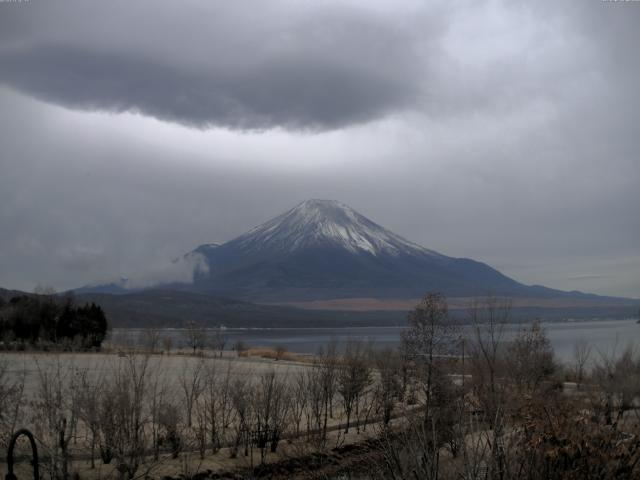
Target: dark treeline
[(41, 320)]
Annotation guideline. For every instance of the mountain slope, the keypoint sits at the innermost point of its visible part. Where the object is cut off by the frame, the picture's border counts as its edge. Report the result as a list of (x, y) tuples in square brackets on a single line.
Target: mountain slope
[(323, 249)]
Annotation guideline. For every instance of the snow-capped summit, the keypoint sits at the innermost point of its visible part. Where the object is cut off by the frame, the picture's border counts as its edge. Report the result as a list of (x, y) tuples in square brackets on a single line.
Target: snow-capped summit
[(326, 223)]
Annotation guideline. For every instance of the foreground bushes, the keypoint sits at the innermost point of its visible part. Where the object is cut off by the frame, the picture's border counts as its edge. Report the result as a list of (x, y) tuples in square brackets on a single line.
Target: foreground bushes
[(486, 405)]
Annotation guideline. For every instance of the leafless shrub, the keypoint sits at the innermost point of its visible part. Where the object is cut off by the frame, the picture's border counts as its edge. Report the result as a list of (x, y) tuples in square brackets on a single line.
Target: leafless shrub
[(411, 452), (581, 355), (561, 441), (270, 408), (316, 403), (157, 393), (430, 335), (191, 384), (89, 410), (322, 381), (167, 343), (124, 415), (328, 360), (619, 380), (529, 359), (215, 405), (280, 351), (150, 340), (218, 340), (168, 420), (299, 400), (55, 410), (489, 318), (388, 388), (354, 376), (195, 336), (242, 405), (11, 401), (240, 348)]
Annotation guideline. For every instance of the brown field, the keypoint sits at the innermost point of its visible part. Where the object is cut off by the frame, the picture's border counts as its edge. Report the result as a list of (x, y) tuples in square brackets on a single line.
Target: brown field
[(455, 303)]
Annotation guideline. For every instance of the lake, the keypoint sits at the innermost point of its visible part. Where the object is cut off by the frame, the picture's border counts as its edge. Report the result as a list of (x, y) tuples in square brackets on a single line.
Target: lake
[(604, 336)]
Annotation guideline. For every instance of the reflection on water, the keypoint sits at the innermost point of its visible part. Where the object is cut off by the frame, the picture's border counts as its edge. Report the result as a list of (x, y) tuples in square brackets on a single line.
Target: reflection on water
[(605, 336)]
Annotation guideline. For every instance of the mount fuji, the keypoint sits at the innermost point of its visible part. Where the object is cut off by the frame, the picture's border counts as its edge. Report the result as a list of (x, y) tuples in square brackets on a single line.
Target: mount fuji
[(324, 264), (323, 249)]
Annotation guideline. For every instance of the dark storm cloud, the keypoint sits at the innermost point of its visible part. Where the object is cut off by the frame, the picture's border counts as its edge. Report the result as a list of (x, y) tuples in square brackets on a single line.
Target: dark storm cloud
[(293, 93), (318, 70)]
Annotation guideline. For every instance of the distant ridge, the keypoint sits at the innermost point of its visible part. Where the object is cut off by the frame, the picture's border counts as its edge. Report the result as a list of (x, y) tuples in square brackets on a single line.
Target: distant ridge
[(174, 308)]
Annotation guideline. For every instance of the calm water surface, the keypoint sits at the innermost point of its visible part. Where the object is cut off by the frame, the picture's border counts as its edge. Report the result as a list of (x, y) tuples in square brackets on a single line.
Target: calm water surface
[(605, 336)]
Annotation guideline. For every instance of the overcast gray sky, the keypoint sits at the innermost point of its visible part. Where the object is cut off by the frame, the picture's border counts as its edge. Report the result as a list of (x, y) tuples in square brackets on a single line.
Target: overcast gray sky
[(508, 132)]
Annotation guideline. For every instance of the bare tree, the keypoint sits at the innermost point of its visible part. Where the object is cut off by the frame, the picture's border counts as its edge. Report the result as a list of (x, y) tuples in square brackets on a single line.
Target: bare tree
[(55, 410), (270, 407), (210, 399), (354, 376), (619, 381), (241, 400), (218, 340), (529, 358), (240, 348), (89, 410), (389, 386), (169, 420), (329, 370), (316, 401), (430, 335), (322, 381), (195, 336), (280, 408), (125, 414), (108, 420), (11, 400), (217, 402), (201, 426), (407, 372), (581, 355), (489, 318), (151, 340), (167, 343), (191, 384), (158, 388), (299, 399)]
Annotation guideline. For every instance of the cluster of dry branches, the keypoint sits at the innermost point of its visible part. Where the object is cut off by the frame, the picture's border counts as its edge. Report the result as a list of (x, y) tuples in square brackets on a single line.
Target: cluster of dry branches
[(493, 404), (128, 415)]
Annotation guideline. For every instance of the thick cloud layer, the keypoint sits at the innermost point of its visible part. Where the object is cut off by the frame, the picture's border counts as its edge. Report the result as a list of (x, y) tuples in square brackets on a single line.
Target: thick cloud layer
[(500, 131), (216, 64)]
